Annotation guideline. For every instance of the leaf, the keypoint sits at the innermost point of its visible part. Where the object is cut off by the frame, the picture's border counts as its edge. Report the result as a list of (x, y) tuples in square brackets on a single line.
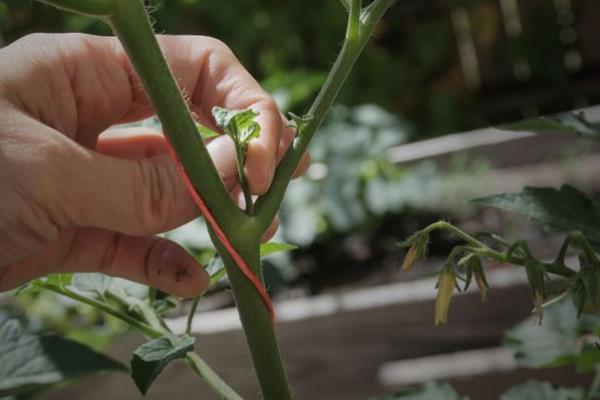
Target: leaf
[(588, 359), (152, 357), (205, 132), (570, 122), (536, 390), (216, 270), (562, 210), (59, 280), (29, 362), (238, 124), (266, 249), (554, 342), (430, 391), (95, 283), (163, 305)]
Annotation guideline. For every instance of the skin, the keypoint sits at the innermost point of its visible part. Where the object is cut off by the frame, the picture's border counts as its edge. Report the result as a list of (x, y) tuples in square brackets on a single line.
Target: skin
[(78, 197)]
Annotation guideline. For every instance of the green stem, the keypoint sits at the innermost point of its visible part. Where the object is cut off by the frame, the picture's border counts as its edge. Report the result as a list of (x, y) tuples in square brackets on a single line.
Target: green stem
[(357, 36), (214, 381), (131, 24), (190, 319), (240, 161), (198, 364), (98, 8), (256, 321), (139, 325), (508, 257), (353, 28)]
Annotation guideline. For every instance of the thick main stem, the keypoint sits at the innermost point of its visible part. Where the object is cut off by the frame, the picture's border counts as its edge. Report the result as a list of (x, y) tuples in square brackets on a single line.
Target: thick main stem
[(256, 321), (130, 23)]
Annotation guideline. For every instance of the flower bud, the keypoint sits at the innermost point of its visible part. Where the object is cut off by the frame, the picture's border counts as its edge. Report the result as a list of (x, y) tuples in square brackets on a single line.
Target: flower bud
[(417, 250), (535, 276), (446, 285)]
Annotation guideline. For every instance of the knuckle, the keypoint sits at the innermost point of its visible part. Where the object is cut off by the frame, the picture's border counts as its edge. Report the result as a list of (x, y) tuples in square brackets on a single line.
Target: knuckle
[(155, 196)]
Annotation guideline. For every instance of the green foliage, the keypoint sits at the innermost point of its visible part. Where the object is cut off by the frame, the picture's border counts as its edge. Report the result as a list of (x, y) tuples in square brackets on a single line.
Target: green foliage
[(30, 362), (94, 283), (569, 122), (205, 132), (557, 340), (536, 390), (152, 357), (430, 391), (266, 249), (238, 124), (564, 210)]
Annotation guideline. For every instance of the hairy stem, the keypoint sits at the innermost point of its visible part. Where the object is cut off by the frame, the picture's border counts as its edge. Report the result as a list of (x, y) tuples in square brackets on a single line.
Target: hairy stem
[(139, 325), (256, 322), (198, 364), (357, 35), (131, 24), (508, 256)]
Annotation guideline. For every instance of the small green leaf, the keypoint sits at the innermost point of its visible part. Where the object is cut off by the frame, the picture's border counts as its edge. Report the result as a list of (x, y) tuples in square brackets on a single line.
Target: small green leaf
[(238, 124), (216, 270), (95, 283), (430, 391), (163, 305), (570, 122), (266, 249), (561, 210), (29, 362), (536, 390), (205, 132), (58, 280), (152, 357)]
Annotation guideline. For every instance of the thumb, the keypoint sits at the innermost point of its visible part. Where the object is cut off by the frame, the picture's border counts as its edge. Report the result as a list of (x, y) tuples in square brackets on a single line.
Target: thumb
[(136, 197), (150, 260)]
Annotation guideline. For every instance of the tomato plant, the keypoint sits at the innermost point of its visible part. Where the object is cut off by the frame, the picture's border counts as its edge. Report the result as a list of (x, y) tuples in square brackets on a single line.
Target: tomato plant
[(236, 236), (235, 233)]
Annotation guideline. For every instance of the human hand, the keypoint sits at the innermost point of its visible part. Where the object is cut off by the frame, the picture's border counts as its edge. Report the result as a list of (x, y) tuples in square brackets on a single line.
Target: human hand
[(75, 198)]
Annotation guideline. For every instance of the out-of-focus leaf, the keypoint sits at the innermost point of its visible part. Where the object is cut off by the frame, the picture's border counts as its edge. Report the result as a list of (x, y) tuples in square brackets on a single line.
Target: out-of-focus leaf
[(29, 362), (267, 249), (60, 280), (152, 357), (95, 283), (562, 210), (163, 305), (570, 122), (216, 270), (536, 390), (588, 359), (554, 342), (430, 391)]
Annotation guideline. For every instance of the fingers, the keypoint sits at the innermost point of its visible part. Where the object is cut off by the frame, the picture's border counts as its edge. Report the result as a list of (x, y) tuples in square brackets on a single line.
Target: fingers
[(136, 197), (302, 165), (150, 261), (132, 143), (271, 230)]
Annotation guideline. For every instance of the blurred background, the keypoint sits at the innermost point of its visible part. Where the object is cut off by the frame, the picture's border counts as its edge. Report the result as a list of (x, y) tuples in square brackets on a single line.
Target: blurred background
[(408, 143)]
